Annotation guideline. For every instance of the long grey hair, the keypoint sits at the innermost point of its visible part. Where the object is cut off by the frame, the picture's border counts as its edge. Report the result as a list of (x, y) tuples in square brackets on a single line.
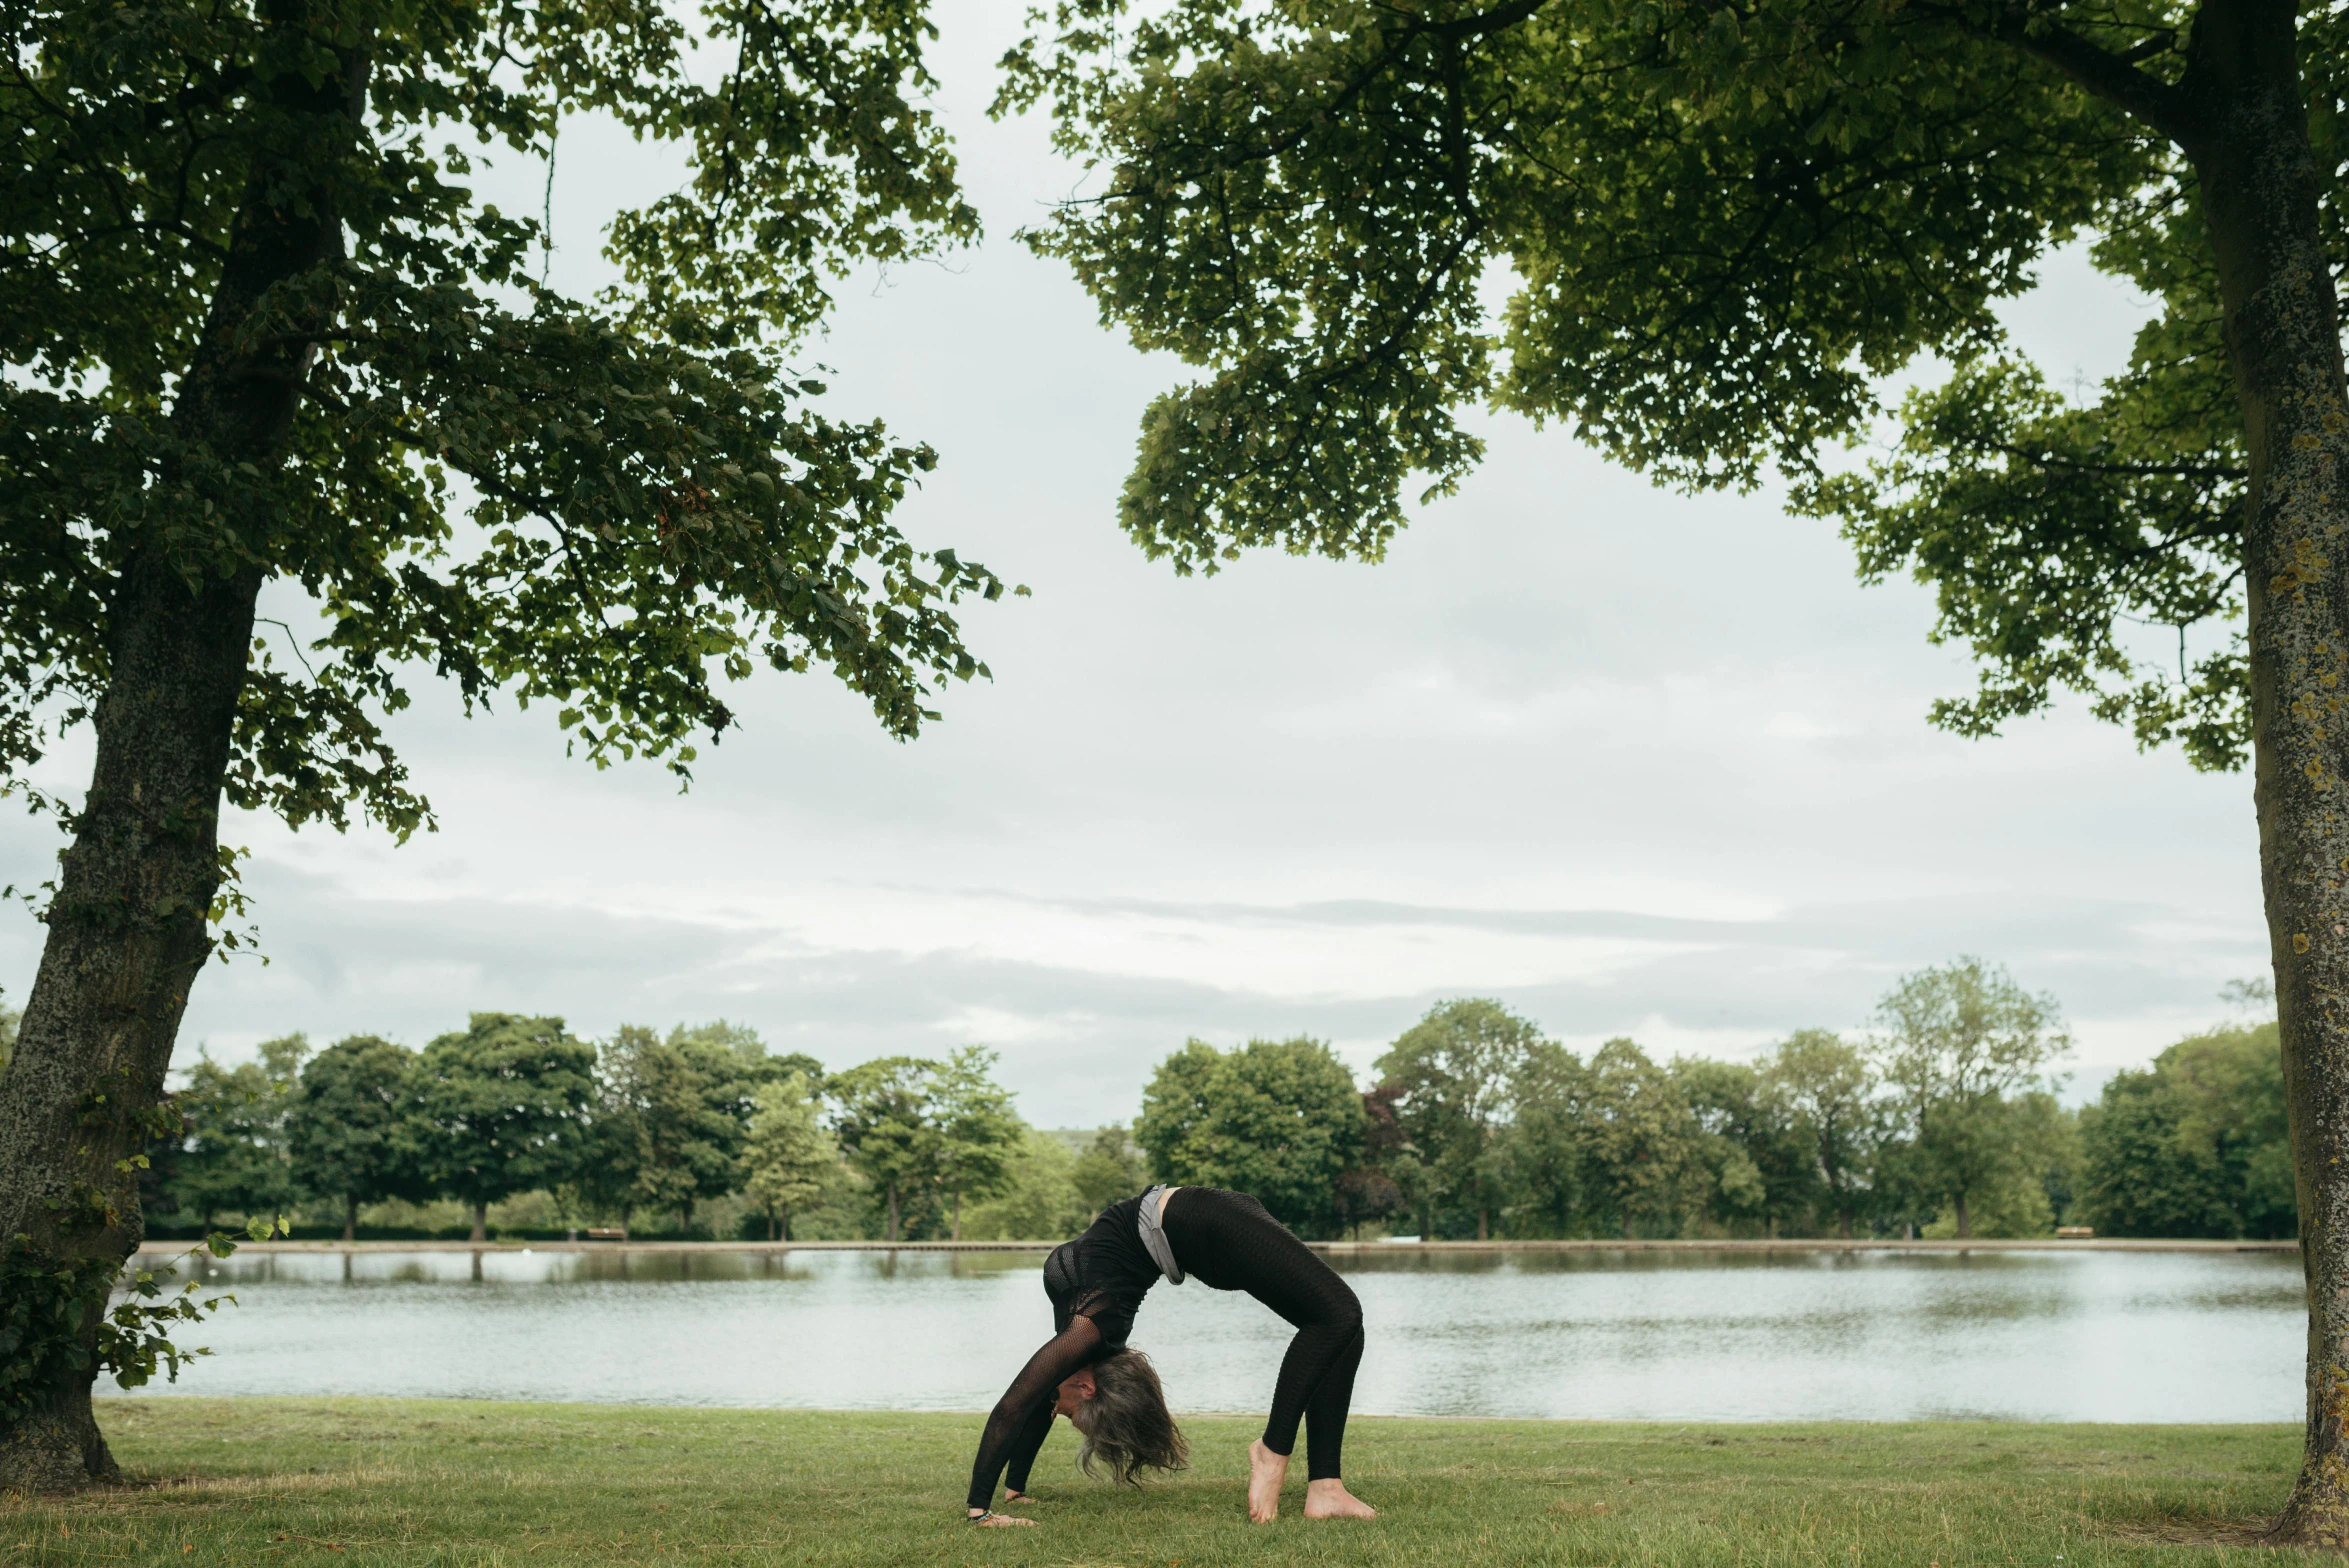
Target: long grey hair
[(1126, 1424)]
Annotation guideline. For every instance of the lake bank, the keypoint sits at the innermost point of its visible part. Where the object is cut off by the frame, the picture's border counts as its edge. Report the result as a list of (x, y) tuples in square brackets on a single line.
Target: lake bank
[(406, 1482), (1345, 1248)]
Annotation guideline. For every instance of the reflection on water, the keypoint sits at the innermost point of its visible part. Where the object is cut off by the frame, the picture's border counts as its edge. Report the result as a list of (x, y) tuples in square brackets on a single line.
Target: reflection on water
[(2092, 1336)]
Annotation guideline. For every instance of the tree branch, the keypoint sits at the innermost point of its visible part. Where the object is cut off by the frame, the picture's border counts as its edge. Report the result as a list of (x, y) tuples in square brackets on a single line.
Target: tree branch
[(2144, 98)]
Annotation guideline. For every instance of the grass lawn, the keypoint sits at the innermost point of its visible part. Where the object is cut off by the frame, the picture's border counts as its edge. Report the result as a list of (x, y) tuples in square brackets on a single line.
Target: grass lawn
[(343, 1481)]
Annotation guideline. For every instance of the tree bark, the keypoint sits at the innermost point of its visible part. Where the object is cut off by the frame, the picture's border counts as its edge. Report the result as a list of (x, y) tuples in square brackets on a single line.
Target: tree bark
[(350, 1218), (127, 937), (480, 1223), (1483, 1225), (1965, 1221), (893, 1211), (128, 925), (2258, 184)]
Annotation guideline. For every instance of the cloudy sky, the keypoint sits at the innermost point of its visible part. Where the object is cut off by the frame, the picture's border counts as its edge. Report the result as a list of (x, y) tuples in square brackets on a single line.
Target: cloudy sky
[(1632, 762)]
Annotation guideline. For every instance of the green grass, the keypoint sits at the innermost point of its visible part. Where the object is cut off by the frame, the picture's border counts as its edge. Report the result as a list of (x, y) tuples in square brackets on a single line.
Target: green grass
[(343, 1481)]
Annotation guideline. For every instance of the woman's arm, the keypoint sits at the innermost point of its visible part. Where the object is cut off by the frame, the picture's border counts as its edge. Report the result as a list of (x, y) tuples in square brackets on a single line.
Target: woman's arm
[(1031, 1394), (1024, 1445)]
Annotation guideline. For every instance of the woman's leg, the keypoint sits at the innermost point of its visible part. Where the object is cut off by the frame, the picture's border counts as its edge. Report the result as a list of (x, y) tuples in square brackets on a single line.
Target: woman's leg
[(1325, 1414), (1231, 1243), (1317, 1375)]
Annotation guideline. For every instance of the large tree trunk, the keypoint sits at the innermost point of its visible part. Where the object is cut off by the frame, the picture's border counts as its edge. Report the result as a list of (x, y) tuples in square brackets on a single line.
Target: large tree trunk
[(893, 1211), (350, 1219), (2259, 183), (480, 1223), (1965, 1221), (127, 937), (127, 928)]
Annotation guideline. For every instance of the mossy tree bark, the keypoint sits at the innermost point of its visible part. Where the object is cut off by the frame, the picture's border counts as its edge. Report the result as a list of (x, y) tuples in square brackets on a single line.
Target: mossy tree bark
[(2247, 136), (128, 925)]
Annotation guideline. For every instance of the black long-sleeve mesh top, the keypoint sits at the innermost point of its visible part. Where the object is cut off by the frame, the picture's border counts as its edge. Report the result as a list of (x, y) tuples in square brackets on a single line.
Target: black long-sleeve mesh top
[(1096, 1283)]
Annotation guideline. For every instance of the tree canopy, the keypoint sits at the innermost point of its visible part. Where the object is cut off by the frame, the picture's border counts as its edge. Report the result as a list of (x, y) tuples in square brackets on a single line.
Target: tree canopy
[(1278, 1119), (503, 1107), (350, 1131), (671, 1127), (1962, 1048), (2196, 1144), (651, 499), (1452, 1075), (234, 1121), (786, 1154), (1712, 234)]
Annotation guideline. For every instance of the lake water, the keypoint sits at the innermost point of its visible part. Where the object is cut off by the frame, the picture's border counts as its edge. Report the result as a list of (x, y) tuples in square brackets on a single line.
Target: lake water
[(2090, 1336)]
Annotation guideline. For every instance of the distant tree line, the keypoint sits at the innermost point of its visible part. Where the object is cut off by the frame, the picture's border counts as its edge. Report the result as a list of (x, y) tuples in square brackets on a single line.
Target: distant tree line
[(1941, 1121), (641, 1126)]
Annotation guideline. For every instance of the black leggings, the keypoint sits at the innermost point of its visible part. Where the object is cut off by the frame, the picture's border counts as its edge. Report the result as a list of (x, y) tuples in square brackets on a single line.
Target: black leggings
[(1228, 1242)]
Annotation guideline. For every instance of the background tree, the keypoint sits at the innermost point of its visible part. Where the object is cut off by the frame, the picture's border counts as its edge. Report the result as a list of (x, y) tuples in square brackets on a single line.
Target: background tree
[(787, 1155), (1547, 1158), (978, 1131), (1723, 228), (1109, 1169), (883, 1119), (502, 1108), (1453, 1074), (1762, 1172), (1638, 1144), (233, 1150), (1181, 1106), (1038, 1198), (752, 1060), (256, 330), (1278, 1119), (1826, 1085), (1959, 1046), (2195, 1145), (1373, 1190), (348, 1132), (672, 1116)]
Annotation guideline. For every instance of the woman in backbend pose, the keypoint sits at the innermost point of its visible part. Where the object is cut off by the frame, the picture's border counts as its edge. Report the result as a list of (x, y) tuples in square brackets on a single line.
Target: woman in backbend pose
[(1226, 1241)]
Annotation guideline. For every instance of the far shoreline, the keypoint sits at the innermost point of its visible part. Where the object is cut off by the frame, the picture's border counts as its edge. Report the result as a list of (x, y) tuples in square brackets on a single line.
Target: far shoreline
[(1335, 1248)]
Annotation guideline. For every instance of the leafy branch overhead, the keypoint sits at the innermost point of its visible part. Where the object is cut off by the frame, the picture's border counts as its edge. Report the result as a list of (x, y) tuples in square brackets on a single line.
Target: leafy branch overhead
[(1720, 228), (611, 506)]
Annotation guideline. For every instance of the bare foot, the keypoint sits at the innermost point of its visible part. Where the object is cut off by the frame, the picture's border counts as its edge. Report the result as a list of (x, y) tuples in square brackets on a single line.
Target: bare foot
[(1266, 1471), (1017, 1497), (998, 1521), (1330, 1500)]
